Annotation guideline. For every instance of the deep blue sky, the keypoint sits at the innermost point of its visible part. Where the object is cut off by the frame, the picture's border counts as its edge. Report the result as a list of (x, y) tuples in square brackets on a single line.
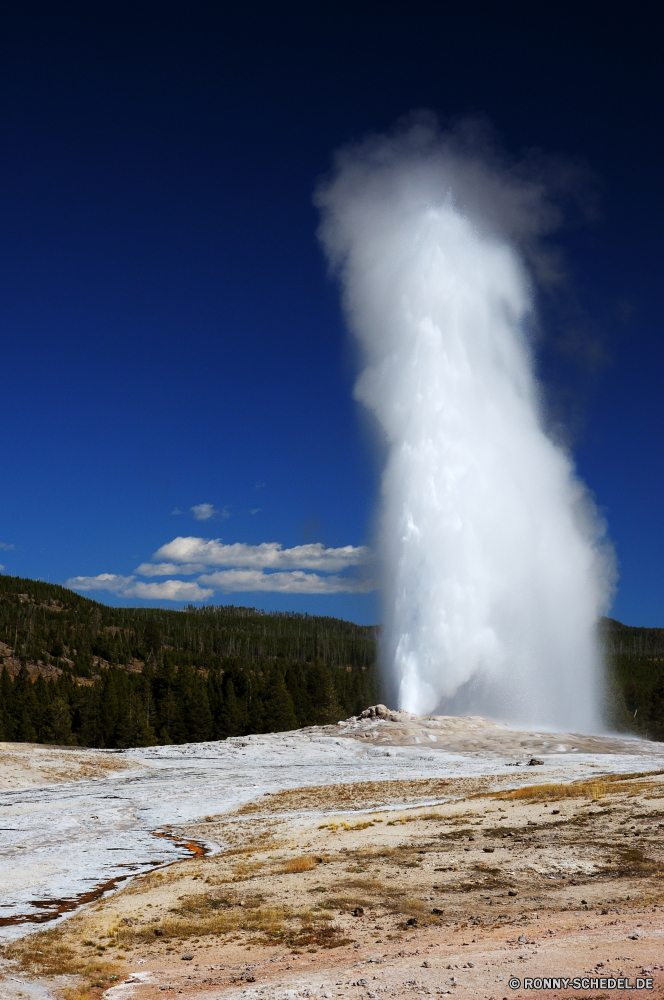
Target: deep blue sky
[(169, 336)]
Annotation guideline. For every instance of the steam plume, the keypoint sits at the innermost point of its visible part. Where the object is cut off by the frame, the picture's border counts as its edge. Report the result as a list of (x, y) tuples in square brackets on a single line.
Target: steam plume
[(494, 563)]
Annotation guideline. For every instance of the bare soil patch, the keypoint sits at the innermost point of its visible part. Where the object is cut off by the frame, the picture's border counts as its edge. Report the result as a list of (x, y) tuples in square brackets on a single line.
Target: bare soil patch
[(315, 892)]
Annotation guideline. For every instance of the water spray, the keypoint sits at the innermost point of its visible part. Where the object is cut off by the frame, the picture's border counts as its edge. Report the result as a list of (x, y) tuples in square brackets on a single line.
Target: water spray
[(493, 558)]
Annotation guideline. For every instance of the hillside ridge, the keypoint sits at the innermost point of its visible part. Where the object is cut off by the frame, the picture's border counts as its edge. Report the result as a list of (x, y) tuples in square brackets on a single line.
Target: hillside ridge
[(75, 671)]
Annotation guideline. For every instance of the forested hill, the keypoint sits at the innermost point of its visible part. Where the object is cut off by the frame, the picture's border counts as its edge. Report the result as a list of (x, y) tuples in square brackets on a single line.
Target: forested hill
[(636, 677), (76, 671)]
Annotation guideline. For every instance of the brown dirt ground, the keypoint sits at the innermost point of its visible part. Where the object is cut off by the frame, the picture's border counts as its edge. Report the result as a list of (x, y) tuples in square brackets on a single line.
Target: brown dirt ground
[(315, 895)]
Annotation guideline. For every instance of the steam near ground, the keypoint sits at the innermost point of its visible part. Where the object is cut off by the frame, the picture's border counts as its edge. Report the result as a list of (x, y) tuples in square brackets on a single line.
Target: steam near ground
[(494, 562)]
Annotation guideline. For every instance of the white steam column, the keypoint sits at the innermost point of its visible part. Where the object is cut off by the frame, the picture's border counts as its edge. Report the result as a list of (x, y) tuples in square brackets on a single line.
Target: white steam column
[(493, 558)]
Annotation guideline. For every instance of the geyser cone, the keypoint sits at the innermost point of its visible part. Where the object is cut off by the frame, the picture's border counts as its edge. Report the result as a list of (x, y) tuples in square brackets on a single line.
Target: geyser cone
[(494, 564)]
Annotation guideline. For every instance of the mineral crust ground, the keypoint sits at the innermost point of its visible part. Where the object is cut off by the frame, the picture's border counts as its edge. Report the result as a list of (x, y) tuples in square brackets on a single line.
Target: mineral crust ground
[(389, 855)]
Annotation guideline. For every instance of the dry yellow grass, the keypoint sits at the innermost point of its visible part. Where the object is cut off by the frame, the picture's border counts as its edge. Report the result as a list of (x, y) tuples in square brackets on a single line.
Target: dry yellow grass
[(614, 783), (301, 864), (48, 953), (362, 794)]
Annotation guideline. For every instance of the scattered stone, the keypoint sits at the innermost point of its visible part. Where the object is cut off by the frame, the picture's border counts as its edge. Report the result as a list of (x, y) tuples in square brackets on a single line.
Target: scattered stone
[(511, 892), (358, 911), (188, 957), (534, 761), (488, 850)]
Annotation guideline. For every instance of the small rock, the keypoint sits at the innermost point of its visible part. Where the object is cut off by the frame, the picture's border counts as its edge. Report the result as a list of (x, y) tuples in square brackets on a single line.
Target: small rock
[(361, 982), (488, 850), (358, 911), (425, 965), (451, 982), (437, 911), (188, 957), (511, 892), (534, 761), (633, 937), (471, 965), (412, 922)]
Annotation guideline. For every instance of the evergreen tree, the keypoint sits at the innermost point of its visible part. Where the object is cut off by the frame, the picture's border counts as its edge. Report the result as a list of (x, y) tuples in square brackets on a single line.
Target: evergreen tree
[(279, 714)]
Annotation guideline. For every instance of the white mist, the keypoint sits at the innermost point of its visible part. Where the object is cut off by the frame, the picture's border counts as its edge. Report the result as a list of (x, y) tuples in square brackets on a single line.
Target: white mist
[(493, 559)]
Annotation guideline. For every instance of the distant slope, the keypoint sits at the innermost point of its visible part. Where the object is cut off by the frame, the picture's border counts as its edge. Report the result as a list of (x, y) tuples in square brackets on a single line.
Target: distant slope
[(635, 695), (74, 671), (77, 671)]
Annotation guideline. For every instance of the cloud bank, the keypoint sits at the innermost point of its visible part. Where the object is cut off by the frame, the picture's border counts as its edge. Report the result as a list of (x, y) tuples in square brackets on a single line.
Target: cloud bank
[(239, 568), (128, 586)]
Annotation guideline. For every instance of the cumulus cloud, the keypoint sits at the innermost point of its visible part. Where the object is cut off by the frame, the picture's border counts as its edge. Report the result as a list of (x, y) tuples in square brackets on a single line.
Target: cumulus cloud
[(104, 581), (171, 590), (240, 568), (166, 569), (1, 568), (204, 511), (6, 546), (267, 555), (128, 586), (231, 581)]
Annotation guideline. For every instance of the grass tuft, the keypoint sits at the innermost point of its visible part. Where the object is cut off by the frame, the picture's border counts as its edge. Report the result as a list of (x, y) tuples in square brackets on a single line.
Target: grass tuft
[(301, 864)]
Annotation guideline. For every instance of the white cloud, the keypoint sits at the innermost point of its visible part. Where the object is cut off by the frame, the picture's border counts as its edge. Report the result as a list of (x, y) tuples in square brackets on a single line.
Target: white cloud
[(267, 555), (170, 590), (128, 586), (239, 568), (6, 546), (105, 581), (256, 510), (204, 511), (1, 568), (295, 582), (166, 569)]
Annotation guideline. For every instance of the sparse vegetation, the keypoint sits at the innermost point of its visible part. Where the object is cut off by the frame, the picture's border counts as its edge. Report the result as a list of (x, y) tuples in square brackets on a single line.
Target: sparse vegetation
[(592, 790)]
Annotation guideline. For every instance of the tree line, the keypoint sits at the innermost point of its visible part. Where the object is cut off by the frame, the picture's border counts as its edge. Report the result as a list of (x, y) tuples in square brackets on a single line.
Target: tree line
[(78, 672), (635, 678)]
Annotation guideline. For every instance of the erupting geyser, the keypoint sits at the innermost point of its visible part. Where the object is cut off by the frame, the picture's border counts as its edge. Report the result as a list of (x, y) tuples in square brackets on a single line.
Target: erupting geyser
[(494, 562)]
